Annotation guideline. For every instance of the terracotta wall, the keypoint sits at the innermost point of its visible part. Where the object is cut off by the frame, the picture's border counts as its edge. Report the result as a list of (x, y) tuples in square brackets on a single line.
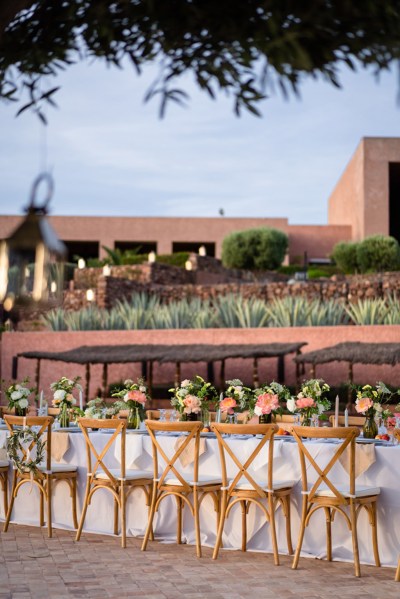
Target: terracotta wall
[(316, 337)]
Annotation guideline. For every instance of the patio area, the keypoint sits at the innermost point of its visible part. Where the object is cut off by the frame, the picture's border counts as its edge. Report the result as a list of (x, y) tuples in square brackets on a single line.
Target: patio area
[(33, 566)]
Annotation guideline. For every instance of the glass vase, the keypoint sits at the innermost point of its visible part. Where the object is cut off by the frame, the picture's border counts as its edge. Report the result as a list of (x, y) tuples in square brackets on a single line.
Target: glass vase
[(64, 416), (191, 417), (133, 418), (370, 428), (20, 411), (264, 419)]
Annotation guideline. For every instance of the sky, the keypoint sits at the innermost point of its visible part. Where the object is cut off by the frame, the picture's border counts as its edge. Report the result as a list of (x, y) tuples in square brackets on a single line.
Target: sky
[(111, 155)]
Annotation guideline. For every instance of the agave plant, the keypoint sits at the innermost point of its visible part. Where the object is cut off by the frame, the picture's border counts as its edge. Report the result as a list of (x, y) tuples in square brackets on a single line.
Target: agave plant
[(289, 312), (87, 319), (327, 313), (393, 315), (368, 311), (226, 311), (55, 319)]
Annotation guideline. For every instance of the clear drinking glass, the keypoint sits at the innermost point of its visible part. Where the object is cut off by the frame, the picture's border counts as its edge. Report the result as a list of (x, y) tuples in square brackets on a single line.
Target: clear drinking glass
[(163, 415)]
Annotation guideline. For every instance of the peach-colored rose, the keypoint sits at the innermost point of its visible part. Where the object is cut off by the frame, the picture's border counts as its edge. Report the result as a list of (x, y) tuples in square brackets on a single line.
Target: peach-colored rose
[(227, 405), (305, 402), (192, 404), (266, 402), (135, 395), (363, 404)]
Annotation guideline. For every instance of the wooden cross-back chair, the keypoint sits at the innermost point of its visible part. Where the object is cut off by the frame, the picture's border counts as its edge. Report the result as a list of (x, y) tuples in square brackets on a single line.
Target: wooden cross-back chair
[(119, 481), (397, 577), (333, 497), (352, 420), (171, 482), (245, 488), (45, 475), (4, 465)]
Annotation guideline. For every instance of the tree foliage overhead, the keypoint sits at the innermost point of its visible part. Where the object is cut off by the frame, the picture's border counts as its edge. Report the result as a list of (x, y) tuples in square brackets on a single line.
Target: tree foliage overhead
[(241, 47)]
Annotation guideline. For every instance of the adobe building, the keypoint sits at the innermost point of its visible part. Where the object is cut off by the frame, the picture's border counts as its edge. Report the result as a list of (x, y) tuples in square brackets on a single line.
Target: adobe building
[(365, 201)]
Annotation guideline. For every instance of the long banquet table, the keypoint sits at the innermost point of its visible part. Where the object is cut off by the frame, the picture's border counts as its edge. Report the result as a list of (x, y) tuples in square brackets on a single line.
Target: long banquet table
[(385, 473)]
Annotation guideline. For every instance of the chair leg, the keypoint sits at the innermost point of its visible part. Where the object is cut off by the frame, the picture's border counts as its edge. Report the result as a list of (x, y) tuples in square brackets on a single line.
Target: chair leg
[(49, 516), (74, 513), (10, 507), (149, 528), (197, 520), (271, 506), (374, 526), (301, 533), (41, 508), (397, 577), (84, 510), (5, 491), (353, 520), (244, 525), (179, 515), (288, 524), (116, 517), (123, 514), (328, 520), (222, 516)]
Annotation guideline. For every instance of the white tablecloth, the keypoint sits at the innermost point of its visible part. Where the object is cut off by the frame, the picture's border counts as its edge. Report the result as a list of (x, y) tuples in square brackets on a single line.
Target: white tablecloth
[(385, 473)]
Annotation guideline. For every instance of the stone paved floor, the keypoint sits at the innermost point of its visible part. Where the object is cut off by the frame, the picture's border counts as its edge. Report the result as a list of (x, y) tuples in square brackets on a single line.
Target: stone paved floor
[(33, 566)]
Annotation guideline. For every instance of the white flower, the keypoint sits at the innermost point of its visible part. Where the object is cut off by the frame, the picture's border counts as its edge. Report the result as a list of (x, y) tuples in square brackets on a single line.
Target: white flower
[(257, 411), (321, 408), (182, 392), (185, 383), (142, 388), (300, 395), (16, 395), (23, 403), (70, 383), (126, 397), (291, 404), (25, 391), (377, 407), (60, 394), (238, 389)]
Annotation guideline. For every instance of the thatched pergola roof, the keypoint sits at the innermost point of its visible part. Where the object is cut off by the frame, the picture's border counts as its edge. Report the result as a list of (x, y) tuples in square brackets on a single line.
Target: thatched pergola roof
[(121, 354), (354, 353)]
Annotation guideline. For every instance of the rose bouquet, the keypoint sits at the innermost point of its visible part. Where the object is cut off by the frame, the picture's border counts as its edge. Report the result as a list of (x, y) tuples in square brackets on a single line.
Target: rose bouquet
[(372, 402), (310, 401), (63, 397), (17, 395), (237, 398), (192, 397), (134, 397), (268, 399)]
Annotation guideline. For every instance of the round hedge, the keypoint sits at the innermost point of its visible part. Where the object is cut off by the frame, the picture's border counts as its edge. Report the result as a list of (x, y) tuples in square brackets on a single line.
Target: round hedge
[(254, 249)]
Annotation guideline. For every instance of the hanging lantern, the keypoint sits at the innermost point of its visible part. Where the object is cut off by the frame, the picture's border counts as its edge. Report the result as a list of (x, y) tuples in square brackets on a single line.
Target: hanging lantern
[(31, 259)]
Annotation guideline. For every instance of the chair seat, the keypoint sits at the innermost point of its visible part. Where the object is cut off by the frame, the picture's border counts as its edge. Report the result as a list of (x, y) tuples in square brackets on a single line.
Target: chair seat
[(57, 468), (359, 492), (129, 474), (4, 463), (202, 480), (244, 485)]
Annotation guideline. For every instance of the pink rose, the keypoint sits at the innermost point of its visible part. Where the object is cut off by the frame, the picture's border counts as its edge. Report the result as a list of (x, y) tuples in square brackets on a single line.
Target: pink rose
[(192, 404), (227, 405), (135, 395), (266, 402), (363, 404), (305, 402)]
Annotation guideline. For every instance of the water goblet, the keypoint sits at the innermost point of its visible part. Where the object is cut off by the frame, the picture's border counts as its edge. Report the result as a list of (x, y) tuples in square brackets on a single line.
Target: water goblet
[(163, 415)]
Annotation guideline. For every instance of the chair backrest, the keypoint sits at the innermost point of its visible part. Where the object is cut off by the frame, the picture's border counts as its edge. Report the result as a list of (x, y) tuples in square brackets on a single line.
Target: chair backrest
[(119, 428), (284, 418), (267, 432), (193, 433), (153, 414), (348, 434), (352, 420), (396, 433), (42, 425), (53, 411)]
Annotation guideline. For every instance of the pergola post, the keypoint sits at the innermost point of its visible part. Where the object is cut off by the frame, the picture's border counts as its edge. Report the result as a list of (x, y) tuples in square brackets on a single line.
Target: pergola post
[(37, 376), (349, 405), (105, 377), (256, 382), (87, 381), (178, 374), (222, 376)]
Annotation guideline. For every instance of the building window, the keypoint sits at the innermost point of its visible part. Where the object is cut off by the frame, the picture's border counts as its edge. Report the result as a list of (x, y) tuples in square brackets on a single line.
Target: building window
[(81, 249), (394, 200), (193, 246), (141, 247)]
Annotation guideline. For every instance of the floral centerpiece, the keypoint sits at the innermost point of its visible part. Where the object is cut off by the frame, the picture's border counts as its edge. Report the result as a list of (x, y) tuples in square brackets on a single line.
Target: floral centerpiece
[(134, 396), (267, 400), (372, 402), (17, 395), (193, 397), (64, 399), (310, 401), (237, 398), (97, 408)]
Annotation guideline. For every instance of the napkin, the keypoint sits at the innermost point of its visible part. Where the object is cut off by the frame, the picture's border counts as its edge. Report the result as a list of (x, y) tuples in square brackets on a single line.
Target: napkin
[(365, 457), (187, 455), (59, 445)]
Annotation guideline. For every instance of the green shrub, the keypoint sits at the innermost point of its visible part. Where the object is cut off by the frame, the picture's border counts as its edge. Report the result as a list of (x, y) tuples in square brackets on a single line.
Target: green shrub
[(254, 249), (345, 256), (317, 272), (177, 259), (378, 253)]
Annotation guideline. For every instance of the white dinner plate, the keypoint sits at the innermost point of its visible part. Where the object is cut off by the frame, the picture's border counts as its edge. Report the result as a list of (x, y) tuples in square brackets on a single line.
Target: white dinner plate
[(374, 441), (209, 434), (68, 429)]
